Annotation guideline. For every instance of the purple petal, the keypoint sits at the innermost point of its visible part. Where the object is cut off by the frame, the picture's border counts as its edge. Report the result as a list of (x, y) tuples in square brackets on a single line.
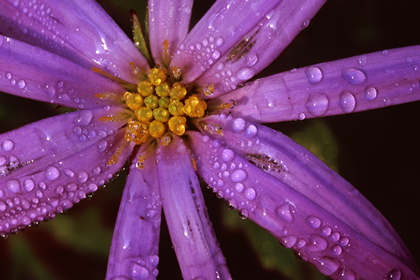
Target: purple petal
[(286, 190), (218, 31), (168, 20), (34, 73), (48, 165), (134, 249), (353, 84), (78, 30), (261, 45), (194, 241)]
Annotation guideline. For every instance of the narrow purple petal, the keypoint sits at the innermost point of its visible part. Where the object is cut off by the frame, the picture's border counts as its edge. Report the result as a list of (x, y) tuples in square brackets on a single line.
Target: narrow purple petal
[(135, 244), (348, 85), (194, 241), (168, 20), (34, 73), (292, 194), (218, 31), (48, 165), (78, 30), (261, 45)]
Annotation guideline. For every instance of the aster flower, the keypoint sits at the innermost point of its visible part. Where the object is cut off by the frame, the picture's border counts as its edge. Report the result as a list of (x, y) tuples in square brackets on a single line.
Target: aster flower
[(187, 109)]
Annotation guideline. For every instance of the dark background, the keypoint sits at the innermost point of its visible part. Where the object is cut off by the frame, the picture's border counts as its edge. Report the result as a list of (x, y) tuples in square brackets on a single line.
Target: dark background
[(376, 151)]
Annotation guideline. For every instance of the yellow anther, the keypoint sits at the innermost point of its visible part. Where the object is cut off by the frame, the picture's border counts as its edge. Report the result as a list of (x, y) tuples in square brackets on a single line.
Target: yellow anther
[(162, 89), (208, 89), (178, 91), (175, 108), (115, 118), (134, 101), (161, 114), (156, 129), (152, 101), (164, 102), (145, 88), (177, 125), (157, 76), (116, 156), (194, 107), (144, 114), (107, 95), (136, 132)]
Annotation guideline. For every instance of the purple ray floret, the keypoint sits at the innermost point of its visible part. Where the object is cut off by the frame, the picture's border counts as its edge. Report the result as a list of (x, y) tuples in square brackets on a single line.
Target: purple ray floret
[(193, 114)]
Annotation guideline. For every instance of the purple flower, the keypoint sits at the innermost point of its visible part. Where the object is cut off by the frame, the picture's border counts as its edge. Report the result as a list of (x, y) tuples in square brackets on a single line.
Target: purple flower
[(189, 109)]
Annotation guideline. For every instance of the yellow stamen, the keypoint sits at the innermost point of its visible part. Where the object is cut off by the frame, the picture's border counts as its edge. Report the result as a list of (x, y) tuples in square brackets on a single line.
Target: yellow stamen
[(177, 125)]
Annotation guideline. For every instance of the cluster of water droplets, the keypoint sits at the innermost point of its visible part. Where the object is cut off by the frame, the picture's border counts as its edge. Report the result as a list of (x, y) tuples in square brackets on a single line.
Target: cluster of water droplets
[(203, 53), (141, 268), (50, 189)]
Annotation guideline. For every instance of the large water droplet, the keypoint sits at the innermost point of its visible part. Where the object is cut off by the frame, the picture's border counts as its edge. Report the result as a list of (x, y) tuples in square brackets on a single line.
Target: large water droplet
[(52, 173), (354, 76), (285, 212), (228, 155), (238, 125), (13, 186), (239, 187), (251, 131), (288, 241), (328, 266), (245, 74), (314, 74), (250, 193), (313, 222), (347, 101), (317, 243), (394, 274), (370, 93), (317, 104), (85, 117), (21, 83), (82, 177), (7, 145), (238, 175), (336, 250), (346, 274), (28, 185)]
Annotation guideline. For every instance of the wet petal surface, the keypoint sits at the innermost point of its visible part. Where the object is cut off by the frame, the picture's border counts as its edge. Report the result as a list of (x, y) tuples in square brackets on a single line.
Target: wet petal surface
[(196, 247)]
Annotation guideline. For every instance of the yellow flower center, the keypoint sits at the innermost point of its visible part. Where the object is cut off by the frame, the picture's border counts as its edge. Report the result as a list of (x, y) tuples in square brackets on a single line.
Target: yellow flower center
[(159, 105)]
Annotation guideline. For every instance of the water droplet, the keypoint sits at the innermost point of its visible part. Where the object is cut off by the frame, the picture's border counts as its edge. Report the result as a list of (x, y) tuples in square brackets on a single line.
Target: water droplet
[(243, 214), (370, 93), (245, 74), (154, 260), (239, 187), (285, 212), (219, 41), (238, 175), (3, 206), (346, 274), (251, 59), (251, 131), (317, 243), (228, 155), (102, 146), (68, 173), (354, 76), (326, 231), (314, 74), (344, 241), (7, 145), (238, 125), (288, 241), (51, 173), (394, 274), (301, 116), (328, 266), (250, 193), (347, 101), (21, 84), (85, 117), (305, 24), (335, 236), (336, 250), (82, 177), (317, 104), (13, 186), (28, 185), (313, 222), (215, 54)]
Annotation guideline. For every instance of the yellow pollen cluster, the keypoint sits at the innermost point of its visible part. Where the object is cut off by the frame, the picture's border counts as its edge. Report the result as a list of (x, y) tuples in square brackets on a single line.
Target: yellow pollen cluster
[(160, 105)]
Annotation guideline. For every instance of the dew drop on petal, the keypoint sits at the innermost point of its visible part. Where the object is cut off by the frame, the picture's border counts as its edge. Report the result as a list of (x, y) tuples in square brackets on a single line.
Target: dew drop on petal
[(85, 117), (346, 274), (7, 145), (82, 177), (238, 125), (314, 74), (317, 243), (13, 186), (313, 222), (251, 131), (239, 187), (228, 155), (245, 74), (52, 173), (21, 84), (317, 104), (326, 231), (328, 266), (28, 185), (285, 212), (394, 274), (336, 250), (370, 93), (288, 241), (354, 76), (250, 193), (238, 175), (102, 146), (347, 101)]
